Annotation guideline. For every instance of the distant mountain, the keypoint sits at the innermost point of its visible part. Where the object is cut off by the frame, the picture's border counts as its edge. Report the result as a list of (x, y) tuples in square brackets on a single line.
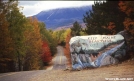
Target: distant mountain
[(62, 17)]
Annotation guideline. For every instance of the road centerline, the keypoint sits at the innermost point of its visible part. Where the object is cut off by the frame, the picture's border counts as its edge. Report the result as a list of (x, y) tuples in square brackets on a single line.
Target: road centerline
[(60, 59)]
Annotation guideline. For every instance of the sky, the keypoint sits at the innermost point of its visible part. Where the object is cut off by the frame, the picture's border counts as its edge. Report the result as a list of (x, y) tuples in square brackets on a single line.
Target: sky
[(34, 7)]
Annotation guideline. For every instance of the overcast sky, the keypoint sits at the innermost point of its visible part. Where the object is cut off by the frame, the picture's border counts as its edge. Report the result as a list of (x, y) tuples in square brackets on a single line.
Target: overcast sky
[(34, 7)]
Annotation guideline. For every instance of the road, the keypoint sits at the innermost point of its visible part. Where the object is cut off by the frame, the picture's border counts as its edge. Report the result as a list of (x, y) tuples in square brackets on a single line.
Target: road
[(21, 76), (60, 60)]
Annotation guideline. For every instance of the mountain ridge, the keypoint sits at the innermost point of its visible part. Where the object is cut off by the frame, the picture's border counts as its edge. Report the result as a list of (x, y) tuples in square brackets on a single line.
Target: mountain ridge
[(62, 17)]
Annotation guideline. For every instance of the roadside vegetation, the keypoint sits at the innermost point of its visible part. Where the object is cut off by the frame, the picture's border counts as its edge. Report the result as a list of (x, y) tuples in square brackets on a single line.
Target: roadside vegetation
[(26, 44)]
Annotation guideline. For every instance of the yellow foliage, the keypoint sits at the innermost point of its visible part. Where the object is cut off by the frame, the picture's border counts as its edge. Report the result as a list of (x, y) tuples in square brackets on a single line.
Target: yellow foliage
[(33, 42)]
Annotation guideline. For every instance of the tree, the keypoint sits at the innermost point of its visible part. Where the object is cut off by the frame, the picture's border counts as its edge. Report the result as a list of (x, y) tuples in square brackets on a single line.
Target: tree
[(20, 39), (16, 27), (33, 45), (6, 44), (75, 30), (59, 36), (46, 55), (104, 18), (47, 36), (128, 8), (67, 47)]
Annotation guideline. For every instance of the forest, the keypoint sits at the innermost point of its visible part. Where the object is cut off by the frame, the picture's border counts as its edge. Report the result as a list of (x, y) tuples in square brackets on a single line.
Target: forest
[(26, 44)]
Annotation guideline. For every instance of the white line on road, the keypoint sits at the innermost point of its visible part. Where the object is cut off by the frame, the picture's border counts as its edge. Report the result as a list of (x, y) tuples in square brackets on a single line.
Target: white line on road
[(60, 59)]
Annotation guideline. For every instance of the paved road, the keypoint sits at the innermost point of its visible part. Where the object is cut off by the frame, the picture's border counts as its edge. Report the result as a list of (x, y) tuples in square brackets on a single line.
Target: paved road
[(60, 60), (21, 76), (59, 63)]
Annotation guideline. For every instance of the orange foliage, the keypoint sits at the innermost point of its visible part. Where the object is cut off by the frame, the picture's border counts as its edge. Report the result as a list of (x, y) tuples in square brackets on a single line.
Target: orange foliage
[(123, 5), (6, 46), (127, 7), (67, 49), (33, 44), (46, 55), (128, 23), (111, 27)]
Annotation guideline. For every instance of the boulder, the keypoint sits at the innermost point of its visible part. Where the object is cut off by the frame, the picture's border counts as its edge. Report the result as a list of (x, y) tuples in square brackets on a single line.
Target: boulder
[(96, 50)]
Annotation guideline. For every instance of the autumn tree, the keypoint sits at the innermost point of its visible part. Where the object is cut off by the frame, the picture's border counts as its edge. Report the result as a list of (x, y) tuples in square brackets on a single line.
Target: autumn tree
[(33, 43), (47, 36), (128, 8), (16, 21), (6, 43), (68, 36), (46, 53), (59, 36), (20, 39)]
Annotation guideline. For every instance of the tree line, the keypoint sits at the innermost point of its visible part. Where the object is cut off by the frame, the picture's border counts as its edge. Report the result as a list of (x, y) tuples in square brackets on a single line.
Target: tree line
[(25, 43)]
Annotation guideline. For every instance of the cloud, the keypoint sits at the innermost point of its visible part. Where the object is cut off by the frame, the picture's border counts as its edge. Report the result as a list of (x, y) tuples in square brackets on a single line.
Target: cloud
[(27, 2), (34, 7)]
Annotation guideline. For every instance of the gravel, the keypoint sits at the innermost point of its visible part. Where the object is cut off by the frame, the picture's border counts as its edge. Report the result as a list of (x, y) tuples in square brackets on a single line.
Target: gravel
[(120, 71)]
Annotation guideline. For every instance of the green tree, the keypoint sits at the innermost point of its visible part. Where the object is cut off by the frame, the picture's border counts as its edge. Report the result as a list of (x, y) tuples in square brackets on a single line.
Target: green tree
[(104, 18), (59, 35), (16, 26), (47, 36), (75, 30), (15, 21)]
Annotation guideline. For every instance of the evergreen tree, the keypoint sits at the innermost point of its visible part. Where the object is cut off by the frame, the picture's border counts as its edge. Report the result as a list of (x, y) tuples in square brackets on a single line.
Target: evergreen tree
[(75, 30), (104, 18)]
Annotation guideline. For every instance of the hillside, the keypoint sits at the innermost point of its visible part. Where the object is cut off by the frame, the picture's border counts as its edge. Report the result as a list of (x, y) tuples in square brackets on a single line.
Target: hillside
[(62, 17)]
